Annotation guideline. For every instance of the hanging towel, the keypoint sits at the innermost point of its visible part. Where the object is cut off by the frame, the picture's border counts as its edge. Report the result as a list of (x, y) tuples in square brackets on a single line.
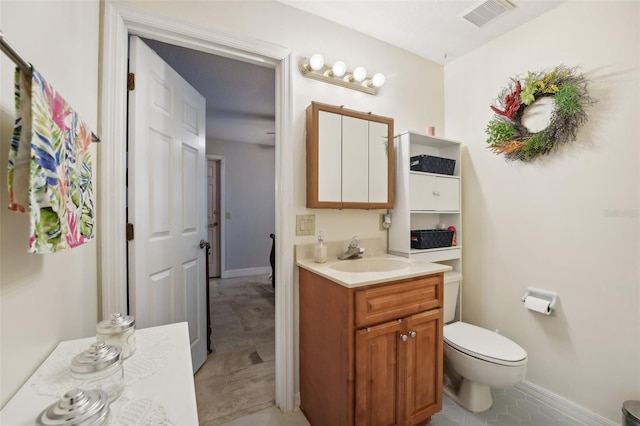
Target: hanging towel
[(50, 172)]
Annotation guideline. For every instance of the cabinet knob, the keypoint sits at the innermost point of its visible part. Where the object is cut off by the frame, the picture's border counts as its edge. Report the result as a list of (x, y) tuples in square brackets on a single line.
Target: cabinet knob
[(403, 337), (437, 193), (412, 334)]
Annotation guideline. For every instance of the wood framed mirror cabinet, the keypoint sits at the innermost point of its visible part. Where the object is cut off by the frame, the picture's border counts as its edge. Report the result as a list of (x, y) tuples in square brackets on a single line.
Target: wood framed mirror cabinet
[(350, 158)]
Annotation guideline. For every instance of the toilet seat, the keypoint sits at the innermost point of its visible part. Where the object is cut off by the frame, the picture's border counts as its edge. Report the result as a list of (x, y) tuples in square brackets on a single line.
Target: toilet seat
[(483, 344)]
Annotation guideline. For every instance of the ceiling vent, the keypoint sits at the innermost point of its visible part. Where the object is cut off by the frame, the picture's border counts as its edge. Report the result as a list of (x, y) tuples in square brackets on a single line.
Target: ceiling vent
[(487, 11)]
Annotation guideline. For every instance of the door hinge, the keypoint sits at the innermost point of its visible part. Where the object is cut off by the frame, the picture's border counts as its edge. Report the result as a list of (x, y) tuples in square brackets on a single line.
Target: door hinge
[(129, 231), (131, 81)]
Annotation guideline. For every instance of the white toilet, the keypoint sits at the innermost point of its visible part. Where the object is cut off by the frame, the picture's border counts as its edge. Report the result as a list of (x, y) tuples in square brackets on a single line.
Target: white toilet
[(476, 359)]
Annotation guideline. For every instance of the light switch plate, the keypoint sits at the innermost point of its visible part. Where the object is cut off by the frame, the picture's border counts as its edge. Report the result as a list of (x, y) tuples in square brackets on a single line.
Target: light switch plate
[(305, 224)]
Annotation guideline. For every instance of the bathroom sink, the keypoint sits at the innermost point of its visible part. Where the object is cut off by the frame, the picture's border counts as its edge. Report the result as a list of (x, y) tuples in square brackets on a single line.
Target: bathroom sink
[(370, 265)]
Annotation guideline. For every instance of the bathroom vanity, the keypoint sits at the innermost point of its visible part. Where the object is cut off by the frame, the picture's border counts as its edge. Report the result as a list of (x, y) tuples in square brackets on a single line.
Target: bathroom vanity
[(371, 341)]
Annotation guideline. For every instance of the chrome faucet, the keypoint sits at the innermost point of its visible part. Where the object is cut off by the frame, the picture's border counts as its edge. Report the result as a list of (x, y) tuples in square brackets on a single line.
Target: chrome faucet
[(354, 251)]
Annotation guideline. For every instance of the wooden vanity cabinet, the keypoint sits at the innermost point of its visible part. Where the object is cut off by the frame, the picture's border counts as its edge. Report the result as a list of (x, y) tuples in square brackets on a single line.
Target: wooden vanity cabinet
[(370, 355)]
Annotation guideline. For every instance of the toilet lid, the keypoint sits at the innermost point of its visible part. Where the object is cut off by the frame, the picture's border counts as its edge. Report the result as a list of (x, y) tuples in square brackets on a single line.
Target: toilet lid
[(484, 344)]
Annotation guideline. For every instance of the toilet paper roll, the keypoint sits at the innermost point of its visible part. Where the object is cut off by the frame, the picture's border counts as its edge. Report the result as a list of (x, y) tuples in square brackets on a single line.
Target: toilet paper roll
[(537, 304)]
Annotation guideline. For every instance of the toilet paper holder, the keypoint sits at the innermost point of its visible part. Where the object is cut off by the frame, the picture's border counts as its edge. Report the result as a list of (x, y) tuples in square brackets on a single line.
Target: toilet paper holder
[(550, 296)]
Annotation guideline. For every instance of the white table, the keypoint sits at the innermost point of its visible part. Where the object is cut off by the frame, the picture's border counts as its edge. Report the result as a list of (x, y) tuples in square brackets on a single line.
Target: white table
[(159, 388)]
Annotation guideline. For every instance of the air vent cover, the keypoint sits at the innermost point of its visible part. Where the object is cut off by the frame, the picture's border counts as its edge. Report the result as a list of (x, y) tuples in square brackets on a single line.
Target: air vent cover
[(487, 11)]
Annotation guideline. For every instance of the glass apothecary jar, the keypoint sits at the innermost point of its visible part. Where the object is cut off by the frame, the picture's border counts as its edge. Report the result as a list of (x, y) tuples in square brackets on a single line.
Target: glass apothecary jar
[(118, 330), (77, 407), (100, 367)]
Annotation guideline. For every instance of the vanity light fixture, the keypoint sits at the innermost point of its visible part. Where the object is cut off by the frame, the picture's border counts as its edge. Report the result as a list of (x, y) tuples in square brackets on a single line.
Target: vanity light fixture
[(315, 67)]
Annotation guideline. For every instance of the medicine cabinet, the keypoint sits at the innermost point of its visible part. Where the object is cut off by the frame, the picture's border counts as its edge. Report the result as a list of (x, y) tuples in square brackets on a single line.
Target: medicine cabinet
[(350, 159)]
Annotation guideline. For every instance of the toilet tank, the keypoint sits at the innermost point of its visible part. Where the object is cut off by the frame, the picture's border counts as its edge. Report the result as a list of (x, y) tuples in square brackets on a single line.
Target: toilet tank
[(451, 289)]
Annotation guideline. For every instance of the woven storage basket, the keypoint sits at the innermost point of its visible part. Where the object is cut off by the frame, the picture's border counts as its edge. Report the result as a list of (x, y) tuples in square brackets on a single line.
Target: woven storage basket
[(432, 164), (431, 238)]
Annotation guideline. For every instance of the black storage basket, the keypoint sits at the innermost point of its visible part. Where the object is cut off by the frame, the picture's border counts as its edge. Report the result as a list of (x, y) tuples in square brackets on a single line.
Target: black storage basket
[(431, 164), (431, 238)]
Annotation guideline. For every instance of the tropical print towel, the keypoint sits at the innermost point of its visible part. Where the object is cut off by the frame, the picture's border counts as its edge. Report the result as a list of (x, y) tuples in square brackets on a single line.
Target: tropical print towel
[(50, 167)]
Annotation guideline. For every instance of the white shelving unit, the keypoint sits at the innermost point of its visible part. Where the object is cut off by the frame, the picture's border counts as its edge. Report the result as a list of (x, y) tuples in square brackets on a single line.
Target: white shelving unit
[(424, 200)]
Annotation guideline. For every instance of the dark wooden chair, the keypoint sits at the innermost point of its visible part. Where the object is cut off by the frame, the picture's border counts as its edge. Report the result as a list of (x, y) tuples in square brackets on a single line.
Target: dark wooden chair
[(272, 260)]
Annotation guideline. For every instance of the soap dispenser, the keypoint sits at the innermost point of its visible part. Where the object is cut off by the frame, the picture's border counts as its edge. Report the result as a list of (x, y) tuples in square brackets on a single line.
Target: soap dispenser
[(320, 250)]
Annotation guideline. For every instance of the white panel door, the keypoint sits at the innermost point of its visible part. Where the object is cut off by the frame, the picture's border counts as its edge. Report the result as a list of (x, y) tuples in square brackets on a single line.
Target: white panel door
[(167, 199)]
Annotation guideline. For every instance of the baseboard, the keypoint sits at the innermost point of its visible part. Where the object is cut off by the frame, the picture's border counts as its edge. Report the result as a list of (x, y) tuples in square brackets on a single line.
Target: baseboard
[(245, 272), (564, 406)]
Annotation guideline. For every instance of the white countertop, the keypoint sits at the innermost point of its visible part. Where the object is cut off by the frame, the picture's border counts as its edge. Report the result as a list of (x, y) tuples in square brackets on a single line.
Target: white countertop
[(159, 386), (414, 268)]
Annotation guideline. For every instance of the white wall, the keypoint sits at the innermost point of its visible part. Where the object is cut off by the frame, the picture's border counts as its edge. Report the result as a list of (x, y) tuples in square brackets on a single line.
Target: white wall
[(44, 298), (568, 223), (249, 200)]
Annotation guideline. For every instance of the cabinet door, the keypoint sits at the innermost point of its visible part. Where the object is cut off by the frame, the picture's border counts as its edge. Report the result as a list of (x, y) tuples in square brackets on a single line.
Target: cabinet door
[(421, 355), (329, 143), (447, 194), (376, 378), (422, 190), (378, 162), (355, 160), (433, 193)]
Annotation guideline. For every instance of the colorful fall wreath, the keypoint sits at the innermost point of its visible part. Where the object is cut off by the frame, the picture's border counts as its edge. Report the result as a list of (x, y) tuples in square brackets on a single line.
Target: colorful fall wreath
[(506, 133)]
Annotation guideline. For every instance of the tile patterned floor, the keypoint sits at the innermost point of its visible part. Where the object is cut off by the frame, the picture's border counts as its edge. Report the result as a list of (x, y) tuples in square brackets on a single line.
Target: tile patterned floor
[(238, 378), (235, 386), (510, 408)]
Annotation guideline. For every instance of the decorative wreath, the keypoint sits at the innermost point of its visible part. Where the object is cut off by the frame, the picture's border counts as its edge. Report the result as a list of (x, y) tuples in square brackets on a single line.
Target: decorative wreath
[(506, 133)]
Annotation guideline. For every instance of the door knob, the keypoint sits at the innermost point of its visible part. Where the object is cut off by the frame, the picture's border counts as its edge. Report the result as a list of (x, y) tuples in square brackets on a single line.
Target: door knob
[(412, 334), (204, 244)]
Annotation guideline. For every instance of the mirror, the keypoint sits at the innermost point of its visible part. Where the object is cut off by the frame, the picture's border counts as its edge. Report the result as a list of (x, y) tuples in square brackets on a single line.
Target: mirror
[(349, 159)]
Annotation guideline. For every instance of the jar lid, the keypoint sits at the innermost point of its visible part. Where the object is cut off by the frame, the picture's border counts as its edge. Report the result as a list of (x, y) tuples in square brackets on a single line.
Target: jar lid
[(98, 357), (116, 324), (77, 408)]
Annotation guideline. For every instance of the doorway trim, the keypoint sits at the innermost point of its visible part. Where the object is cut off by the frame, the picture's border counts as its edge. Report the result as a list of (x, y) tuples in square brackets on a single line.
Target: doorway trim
[(118, 21), (222, 210)]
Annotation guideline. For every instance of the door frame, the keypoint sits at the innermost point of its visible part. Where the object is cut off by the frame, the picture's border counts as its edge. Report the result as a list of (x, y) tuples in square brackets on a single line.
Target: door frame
[(118, 21), (221, 208)]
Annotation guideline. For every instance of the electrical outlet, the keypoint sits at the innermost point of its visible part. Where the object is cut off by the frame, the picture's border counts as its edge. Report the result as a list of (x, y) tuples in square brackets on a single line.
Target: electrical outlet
[(385, 221), (305, 224)]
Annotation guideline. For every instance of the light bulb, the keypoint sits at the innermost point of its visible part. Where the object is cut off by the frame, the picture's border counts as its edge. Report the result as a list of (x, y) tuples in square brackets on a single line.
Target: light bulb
[(339, 68), (316, 62), (359, 74), (377, 80)]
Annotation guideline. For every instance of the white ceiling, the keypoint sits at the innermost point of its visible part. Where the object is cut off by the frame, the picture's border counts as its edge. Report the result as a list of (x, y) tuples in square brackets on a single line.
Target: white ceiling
[(241, 96), (429, 28)]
